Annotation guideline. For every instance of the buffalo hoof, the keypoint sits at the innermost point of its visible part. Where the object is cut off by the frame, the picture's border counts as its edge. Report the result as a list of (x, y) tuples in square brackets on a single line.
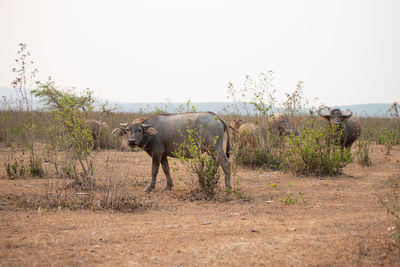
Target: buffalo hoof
[(148, 189), (168, 187)]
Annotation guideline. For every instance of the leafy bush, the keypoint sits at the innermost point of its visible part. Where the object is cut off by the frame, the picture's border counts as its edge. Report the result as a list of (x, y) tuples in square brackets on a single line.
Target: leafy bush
[(316, 152), (363, 153), (200, 160)]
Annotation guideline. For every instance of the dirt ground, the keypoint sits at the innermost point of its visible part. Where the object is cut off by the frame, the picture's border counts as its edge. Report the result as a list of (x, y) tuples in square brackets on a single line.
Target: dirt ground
[(342, 222)]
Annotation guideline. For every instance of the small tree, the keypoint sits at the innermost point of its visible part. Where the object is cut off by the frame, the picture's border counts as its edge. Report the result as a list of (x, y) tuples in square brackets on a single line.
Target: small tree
[(70, 111)]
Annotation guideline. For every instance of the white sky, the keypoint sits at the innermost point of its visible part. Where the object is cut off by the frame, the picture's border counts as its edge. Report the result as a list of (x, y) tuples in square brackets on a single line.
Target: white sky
[(345, 51)]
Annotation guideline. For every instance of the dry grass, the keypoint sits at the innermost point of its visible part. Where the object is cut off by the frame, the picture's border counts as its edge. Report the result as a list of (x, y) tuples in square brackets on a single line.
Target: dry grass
[(342, 220)]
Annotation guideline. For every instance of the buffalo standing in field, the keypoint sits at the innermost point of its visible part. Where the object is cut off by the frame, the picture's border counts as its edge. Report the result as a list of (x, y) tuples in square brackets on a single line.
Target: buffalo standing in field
[(280, 124), (238, 127), (244, 133), (96, 128), (161, 136), (348, 129)]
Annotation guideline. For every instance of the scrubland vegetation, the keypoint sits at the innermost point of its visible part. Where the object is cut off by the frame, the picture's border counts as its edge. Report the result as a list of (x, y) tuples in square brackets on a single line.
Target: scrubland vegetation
[(57, 145)]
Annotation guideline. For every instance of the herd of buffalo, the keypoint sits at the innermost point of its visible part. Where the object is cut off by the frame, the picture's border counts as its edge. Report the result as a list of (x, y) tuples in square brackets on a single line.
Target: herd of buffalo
[(161, 135)]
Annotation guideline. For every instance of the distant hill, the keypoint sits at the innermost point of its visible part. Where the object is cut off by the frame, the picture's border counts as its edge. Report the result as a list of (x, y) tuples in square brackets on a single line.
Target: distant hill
[(7, 91), (10, 95), (371, 110), (362, 110)]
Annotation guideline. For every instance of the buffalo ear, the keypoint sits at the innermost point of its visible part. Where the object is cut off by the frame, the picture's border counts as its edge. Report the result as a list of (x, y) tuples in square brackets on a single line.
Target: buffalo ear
[(119, 131), (148, 129)]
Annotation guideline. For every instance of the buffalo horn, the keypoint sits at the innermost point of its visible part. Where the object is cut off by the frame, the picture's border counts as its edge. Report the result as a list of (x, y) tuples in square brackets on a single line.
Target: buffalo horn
[(146, 125), (320, 113), (347, 114)]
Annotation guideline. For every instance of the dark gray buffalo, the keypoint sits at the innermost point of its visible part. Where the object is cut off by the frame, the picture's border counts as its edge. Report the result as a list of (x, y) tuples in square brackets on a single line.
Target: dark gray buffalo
[(349, 129), (161, 135)]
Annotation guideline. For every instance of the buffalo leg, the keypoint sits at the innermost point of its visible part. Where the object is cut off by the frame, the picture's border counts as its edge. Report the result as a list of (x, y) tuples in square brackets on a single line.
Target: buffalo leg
[(165, 167), (154, 172), (223, 161)]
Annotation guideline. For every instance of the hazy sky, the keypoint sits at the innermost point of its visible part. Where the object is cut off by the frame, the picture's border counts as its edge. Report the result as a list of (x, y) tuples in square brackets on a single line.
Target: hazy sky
[(345, 52)]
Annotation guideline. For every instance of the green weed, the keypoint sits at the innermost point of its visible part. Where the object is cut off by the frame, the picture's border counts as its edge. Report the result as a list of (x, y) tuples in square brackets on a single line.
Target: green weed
[(289, 198)]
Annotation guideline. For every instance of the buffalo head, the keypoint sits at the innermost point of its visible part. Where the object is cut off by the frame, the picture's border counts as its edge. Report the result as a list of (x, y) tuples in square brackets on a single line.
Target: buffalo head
[(122, 130), (335, 116), (348, 131), (134, 132), (235, 124), (137, 131)]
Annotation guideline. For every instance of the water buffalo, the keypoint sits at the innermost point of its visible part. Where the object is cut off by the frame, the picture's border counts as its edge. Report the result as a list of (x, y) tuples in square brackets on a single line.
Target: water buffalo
[(96, 131), (349, 130), (238, 126), (243, 133), (161, 135), (280, 123)]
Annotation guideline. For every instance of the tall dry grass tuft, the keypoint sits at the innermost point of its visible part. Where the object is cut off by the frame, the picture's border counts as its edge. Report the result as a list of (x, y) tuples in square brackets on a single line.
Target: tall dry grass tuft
[(254, 146), (391, 202), (19, 122)]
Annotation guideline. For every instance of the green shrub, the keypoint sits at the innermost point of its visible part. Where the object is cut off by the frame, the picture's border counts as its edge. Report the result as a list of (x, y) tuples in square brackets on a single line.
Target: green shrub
[(201, 164), (363, 153), (289, 198), (18, 169), (13, 169), (388, 138), (35, 167), (316, 152)]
